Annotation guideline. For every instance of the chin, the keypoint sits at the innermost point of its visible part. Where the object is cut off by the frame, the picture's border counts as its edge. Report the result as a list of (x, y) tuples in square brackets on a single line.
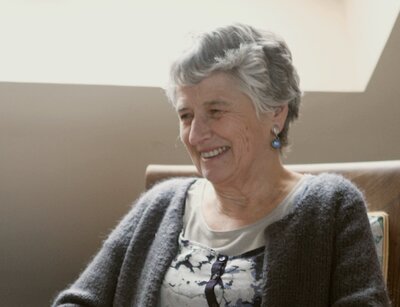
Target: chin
[(207, 174), (214, 177)]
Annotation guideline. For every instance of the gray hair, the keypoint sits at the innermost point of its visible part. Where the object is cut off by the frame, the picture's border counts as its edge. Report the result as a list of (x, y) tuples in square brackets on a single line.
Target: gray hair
[(261, 62)]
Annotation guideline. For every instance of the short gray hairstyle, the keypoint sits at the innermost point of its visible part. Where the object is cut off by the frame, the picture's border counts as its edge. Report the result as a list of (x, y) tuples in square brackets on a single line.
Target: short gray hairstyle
[(260, 60)]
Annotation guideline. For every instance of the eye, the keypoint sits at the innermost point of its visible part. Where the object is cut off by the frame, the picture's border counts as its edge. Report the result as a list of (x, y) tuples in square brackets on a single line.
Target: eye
[(215, 112), (185, 117)]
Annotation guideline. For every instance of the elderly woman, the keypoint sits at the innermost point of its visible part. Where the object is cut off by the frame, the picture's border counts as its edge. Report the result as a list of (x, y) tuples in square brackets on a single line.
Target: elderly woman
[(249, 232)]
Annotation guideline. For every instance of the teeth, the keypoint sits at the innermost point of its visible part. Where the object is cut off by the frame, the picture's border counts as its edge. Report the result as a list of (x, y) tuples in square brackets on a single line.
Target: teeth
[(213, 153)]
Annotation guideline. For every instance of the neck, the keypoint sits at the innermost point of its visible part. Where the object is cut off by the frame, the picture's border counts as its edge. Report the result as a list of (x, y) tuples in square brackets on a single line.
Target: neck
[(242, 203)]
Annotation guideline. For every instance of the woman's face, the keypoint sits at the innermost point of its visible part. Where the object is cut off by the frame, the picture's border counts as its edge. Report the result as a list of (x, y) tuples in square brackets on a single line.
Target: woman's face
[(225, 139)]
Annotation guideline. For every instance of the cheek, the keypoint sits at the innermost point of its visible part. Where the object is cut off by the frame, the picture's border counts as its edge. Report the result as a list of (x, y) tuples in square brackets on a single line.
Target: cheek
[(239, 135), (249, 138), (246, 139)]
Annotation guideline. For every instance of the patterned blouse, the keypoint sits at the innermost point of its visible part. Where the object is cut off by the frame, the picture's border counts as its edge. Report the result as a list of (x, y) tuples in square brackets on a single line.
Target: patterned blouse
[(199, 275)]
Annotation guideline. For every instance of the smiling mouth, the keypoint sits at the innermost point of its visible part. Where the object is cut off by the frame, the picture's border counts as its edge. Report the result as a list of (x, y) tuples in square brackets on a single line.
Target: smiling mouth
[(214, 153)]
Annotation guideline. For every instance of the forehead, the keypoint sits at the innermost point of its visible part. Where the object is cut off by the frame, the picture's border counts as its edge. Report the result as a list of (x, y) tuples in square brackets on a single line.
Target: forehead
[(218, 88)]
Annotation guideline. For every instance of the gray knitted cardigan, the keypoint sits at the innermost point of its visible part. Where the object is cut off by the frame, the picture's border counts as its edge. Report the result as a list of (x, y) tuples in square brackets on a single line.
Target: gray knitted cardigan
[(321, 254)]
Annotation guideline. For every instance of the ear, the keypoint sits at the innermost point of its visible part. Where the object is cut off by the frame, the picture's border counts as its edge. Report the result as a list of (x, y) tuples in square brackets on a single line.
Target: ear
[(280, 114)]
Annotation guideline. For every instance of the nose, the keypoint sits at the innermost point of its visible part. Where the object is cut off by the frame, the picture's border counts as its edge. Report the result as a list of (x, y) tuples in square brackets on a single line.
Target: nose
[(199, 131)]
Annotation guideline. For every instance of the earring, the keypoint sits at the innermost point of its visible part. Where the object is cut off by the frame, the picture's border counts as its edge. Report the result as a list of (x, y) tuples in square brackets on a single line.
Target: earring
[(276, 142)]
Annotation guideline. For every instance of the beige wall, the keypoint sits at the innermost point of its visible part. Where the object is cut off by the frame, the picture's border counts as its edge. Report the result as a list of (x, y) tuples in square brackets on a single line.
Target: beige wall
[(72, 158), (353, 126)]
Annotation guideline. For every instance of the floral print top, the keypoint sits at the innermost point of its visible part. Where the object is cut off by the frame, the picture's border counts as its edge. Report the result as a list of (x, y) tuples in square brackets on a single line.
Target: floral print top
[(200, 275)]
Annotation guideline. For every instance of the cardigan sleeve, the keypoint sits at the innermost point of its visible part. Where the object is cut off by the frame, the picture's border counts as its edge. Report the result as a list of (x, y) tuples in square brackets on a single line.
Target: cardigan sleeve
[(356, 275), (97, 283), (129, 267)]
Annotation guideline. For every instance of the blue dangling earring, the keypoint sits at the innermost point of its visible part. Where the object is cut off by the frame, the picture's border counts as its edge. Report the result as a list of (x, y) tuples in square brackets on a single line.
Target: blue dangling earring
[(276, 142)]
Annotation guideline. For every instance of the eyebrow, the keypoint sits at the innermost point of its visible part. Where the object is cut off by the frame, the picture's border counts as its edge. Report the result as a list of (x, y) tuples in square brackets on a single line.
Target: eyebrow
[(181, 109), (210, 103), (217, 102)]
